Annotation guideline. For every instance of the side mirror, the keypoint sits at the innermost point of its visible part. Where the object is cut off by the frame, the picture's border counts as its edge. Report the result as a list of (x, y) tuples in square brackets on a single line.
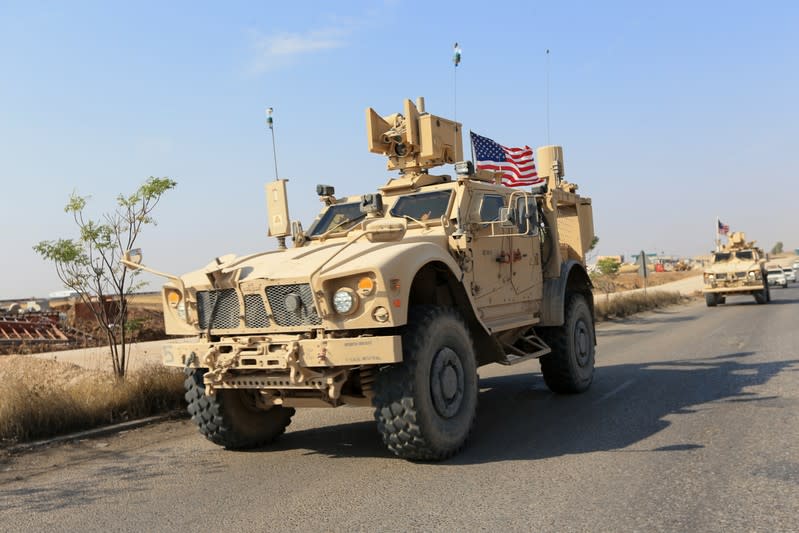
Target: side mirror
[(297, 233), (507, 217), (133, 257)]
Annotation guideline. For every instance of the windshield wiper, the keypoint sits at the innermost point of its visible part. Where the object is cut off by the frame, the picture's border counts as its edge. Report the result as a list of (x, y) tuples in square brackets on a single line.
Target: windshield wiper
[(340, 224), (421, 223)]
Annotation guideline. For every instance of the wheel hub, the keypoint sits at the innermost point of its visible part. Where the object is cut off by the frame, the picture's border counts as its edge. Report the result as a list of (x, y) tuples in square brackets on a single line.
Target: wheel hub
[(447, 382), (582, 343)]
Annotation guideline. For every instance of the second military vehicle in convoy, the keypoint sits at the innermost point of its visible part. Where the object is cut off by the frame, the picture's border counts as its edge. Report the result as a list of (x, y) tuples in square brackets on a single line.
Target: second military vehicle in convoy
[(737, 268), (391, 299)]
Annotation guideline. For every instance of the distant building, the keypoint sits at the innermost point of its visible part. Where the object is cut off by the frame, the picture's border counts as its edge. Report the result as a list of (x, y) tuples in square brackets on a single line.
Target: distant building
[(63, 294)]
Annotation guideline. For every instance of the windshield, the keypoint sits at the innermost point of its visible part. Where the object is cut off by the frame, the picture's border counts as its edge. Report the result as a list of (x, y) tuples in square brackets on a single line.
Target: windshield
[(341, 216), (422, 206), (745, 254), (719, 257)]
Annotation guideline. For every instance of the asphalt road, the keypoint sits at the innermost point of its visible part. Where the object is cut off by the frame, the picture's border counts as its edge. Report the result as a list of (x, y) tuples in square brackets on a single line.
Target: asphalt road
[(692, 424)]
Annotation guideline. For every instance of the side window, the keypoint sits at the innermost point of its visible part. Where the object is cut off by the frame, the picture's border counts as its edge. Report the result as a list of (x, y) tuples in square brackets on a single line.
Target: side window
[(489, 207), (526, 213)]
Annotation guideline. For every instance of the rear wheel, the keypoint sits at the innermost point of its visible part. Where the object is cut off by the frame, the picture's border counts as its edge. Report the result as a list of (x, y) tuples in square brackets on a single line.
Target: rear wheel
[(425, 406), (230, 417), (569, 368)]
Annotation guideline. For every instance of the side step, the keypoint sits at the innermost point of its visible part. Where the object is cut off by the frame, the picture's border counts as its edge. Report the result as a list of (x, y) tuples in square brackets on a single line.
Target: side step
[(527, 347)]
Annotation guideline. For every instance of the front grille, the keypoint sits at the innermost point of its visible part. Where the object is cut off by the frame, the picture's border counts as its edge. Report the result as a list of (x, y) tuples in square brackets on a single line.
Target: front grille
[(222, 304), (721, 276), (305, 316), (740, 274), (254, 311)]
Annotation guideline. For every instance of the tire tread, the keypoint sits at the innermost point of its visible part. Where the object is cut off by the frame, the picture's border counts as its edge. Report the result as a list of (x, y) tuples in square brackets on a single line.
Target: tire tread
[(395, 409), (214, 421)]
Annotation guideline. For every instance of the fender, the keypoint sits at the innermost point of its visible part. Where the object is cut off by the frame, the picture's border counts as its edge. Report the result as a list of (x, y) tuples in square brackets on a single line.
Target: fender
[(406, 265), (553, 305)]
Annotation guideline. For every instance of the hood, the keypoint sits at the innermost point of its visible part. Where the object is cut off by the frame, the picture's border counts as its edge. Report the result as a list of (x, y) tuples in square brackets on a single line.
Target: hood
[(733, 266), (328, 259)]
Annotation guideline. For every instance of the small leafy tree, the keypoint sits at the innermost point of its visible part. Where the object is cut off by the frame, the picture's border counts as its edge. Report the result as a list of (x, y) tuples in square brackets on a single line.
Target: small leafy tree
[(777, 248), (608, 266), (90, 266), (605, 278), (589, 254)]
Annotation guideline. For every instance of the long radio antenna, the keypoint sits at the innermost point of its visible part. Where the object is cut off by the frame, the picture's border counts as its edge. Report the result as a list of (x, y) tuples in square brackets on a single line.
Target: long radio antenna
[(548, 141), (271, 125), (456, 60)]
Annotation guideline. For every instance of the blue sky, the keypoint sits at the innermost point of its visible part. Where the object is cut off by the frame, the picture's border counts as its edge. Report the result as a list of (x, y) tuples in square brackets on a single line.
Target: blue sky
[(670, 114)]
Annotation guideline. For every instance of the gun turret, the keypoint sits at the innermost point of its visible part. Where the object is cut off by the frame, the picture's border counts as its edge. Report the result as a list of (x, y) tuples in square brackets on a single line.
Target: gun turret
[(414, 141)]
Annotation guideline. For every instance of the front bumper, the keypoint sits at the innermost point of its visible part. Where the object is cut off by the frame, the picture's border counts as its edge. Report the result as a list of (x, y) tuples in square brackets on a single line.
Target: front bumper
[(732, 287), (281, 352)]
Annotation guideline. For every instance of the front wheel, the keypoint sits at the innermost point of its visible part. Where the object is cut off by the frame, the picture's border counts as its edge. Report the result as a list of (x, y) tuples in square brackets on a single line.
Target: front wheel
[(425, 406), (711, 299), (230, 418), (569, 368), (762, 297)]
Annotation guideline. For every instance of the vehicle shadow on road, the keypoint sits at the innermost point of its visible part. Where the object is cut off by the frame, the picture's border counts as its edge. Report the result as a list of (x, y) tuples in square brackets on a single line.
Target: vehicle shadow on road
[(627, 404), (520, 419), (784, 301)]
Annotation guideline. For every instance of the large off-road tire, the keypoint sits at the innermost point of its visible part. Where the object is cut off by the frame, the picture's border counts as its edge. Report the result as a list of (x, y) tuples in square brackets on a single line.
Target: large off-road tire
[(569, 367), (762, 297), (229, 418), (711, 299), (426, 405)]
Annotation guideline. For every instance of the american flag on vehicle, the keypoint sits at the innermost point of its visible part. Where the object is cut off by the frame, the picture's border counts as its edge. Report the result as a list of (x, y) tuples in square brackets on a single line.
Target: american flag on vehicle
[(723, 229), (515, 164)]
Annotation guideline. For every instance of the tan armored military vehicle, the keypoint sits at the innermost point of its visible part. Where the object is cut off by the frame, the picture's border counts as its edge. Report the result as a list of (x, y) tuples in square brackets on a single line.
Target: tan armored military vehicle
[(391, 299), (738, 268)]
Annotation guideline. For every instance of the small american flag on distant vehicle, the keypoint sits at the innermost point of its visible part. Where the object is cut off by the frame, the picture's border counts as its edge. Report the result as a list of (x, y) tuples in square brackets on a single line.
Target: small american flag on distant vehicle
[(724, 229), (515, 164)]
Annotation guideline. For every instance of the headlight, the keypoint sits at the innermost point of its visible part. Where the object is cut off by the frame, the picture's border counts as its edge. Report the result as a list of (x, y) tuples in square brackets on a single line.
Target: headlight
[(344, 301)]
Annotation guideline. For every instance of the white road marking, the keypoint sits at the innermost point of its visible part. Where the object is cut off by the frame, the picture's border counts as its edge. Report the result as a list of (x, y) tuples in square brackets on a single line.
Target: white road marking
[(615, 391)]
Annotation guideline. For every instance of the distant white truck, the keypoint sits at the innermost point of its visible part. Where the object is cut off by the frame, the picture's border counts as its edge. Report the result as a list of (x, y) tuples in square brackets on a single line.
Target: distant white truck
[(776, 276)]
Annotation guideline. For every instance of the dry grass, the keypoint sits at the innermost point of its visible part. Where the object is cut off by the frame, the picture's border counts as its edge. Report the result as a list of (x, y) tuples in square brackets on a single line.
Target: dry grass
[(629, 304), (40, 398)]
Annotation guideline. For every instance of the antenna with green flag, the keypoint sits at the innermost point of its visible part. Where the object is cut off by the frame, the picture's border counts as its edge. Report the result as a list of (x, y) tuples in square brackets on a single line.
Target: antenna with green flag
[(456, 60)]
